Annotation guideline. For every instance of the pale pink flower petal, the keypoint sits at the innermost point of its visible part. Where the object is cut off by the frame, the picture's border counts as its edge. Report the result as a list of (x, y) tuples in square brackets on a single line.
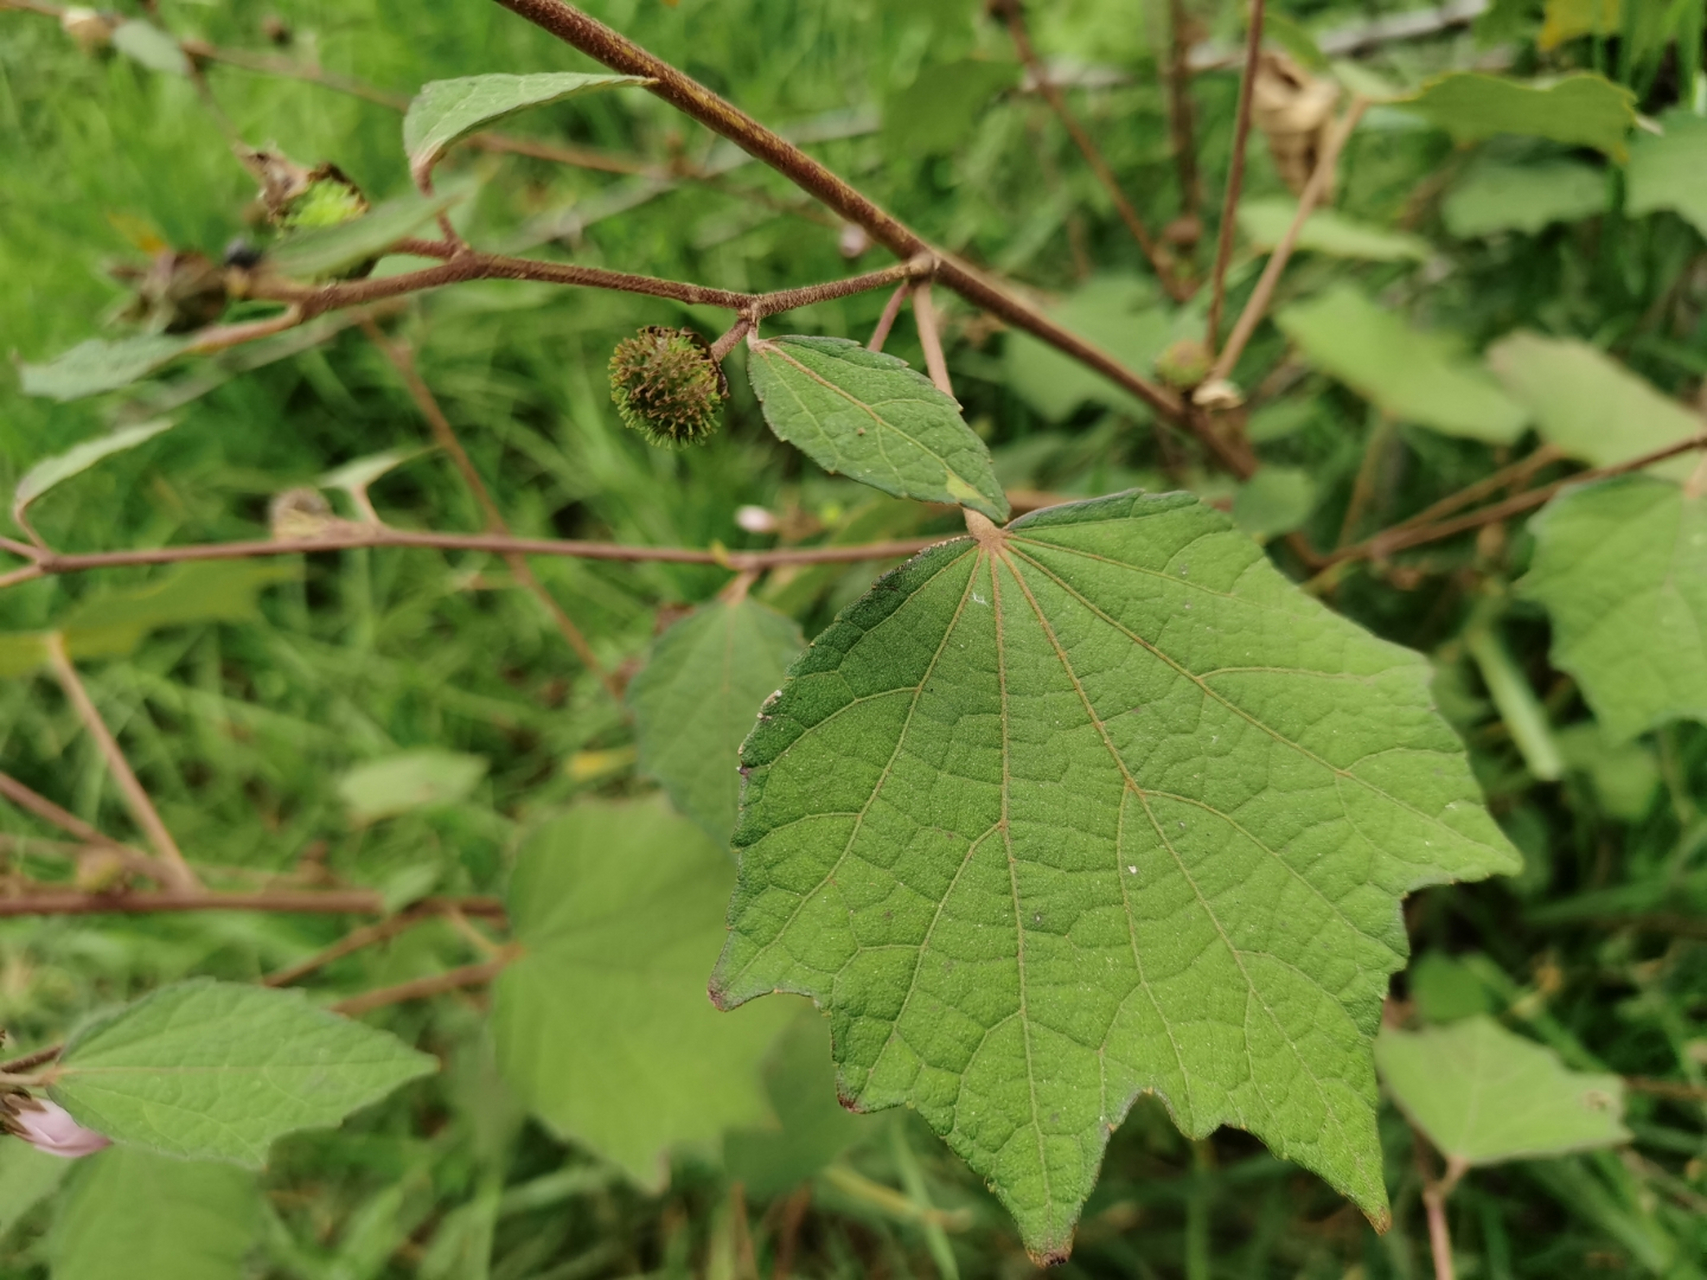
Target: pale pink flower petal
[(48, 1127)]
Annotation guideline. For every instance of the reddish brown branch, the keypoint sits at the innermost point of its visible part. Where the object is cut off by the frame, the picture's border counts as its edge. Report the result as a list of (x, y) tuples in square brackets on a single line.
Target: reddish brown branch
[(1181, 116), (693, 99), (1235, 177), (45, 809), (1160, 262), (349, 944)]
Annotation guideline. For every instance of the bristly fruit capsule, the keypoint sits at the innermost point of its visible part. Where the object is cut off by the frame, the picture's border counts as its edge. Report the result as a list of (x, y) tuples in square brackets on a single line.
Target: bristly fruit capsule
[(667, 385)]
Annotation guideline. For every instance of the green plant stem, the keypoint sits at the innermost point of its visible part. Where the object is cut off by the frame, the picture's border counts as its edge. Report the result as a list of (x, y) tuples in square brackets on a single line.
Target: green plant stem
[(1235, 181), (1197, 1251), (1519, 708), (693, 99)]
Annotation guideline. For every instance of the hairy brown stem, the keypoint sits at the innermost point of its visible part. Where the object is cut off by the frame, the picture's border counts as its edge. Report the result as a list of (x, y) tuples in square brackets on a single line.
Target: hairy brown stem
[(349, 902), (1235, 179), (349, 944), (1313, 192), (174, 871), (693, 99), (1013, 12), (879, 335), (403, 360), (469, 975), (1517, 474)]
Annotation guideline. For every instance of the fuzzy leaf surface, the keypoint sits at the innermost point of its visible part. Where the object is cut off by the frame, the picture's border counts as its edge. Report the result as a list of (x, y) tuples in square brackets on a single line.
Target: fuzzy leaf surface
[(1097, 804), (873, 419), (446, 110), (97, 365), (1621, 567), (602, 1027), (697, 696), (143, 1216), (1484, 1095), (217, 1070)]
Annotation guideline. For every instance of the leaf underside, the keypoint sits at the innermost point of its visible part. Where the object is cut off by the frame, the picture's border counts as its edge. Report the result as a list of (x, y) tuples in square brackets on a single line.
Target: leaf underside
[(873, 419), (1095, 805)]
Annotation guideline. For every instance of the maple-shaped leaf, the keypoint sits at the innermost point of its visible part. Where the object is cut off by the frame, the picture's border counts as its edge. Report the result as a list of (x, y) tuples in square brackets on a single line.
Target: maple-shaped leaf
[(1096, 804)]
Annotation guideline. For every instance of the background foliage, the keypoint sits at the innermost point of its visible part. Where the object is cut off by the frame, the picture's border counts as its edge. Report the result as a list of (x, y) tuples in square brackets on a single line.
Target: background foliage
[(411, 722)]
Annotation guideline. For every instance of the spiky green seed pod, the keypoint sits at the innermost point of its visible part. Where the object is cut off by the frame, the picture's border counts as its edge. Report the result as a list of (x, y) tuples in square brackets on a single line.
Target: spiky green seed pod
[(1185, 364), (667, 386)]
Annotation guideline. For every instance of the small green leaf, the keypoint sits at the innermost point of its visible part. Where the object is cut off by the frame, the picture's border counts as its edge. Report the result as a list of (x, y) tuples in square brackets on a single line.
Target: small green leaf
[(324, 251), (870, 417), (1445, 989), (141, 1216), (1621, 567), (95, 366), (112, 625), (446, 110), (1412, 376), (1264, 223), (938, 109), (428, 778), (1485, 1095), (79, 458), (697, 697), (215, 1070), (1274, 500), (1670, 171), (1101, 804), (602, 1027), (1624, 775), (1523, 197), (1580, 110), (149, 46), (355, 476), (1591, 406), (812, 1127)]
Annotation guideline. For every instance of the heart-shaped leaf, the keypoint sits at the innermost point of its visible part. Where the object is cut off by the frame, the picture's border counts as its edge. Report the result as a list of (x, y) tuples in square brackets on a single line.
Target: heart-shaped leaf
[(1094, 805), (217, 1070), (446, 110), (874, 419)]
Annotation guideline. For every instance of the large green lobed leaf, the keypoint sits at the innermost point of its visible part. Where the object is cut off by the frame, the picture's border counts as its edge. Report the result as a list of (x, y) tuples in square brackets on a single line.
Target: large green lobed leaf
[(602, 1027), (1096, 805), (874, 419), (1621, 567), (696, 697), (217, 1070)]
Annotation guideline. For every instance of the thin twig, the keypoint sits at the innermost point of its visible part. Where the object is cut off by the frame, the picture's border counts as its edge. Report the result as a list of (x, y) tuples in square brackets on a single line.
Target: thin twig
[(696, 101), (403, 360), (1668, 1088), (1517, 474), (469, 975), (349, 944), (349, 537), (1235, 177), (879, 335), (1313, 192), (346, 902), (174, 871), (1014, 13), (930, 337), (48, 811), (1399, 538), (1363, 487), (1435, 1193)]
